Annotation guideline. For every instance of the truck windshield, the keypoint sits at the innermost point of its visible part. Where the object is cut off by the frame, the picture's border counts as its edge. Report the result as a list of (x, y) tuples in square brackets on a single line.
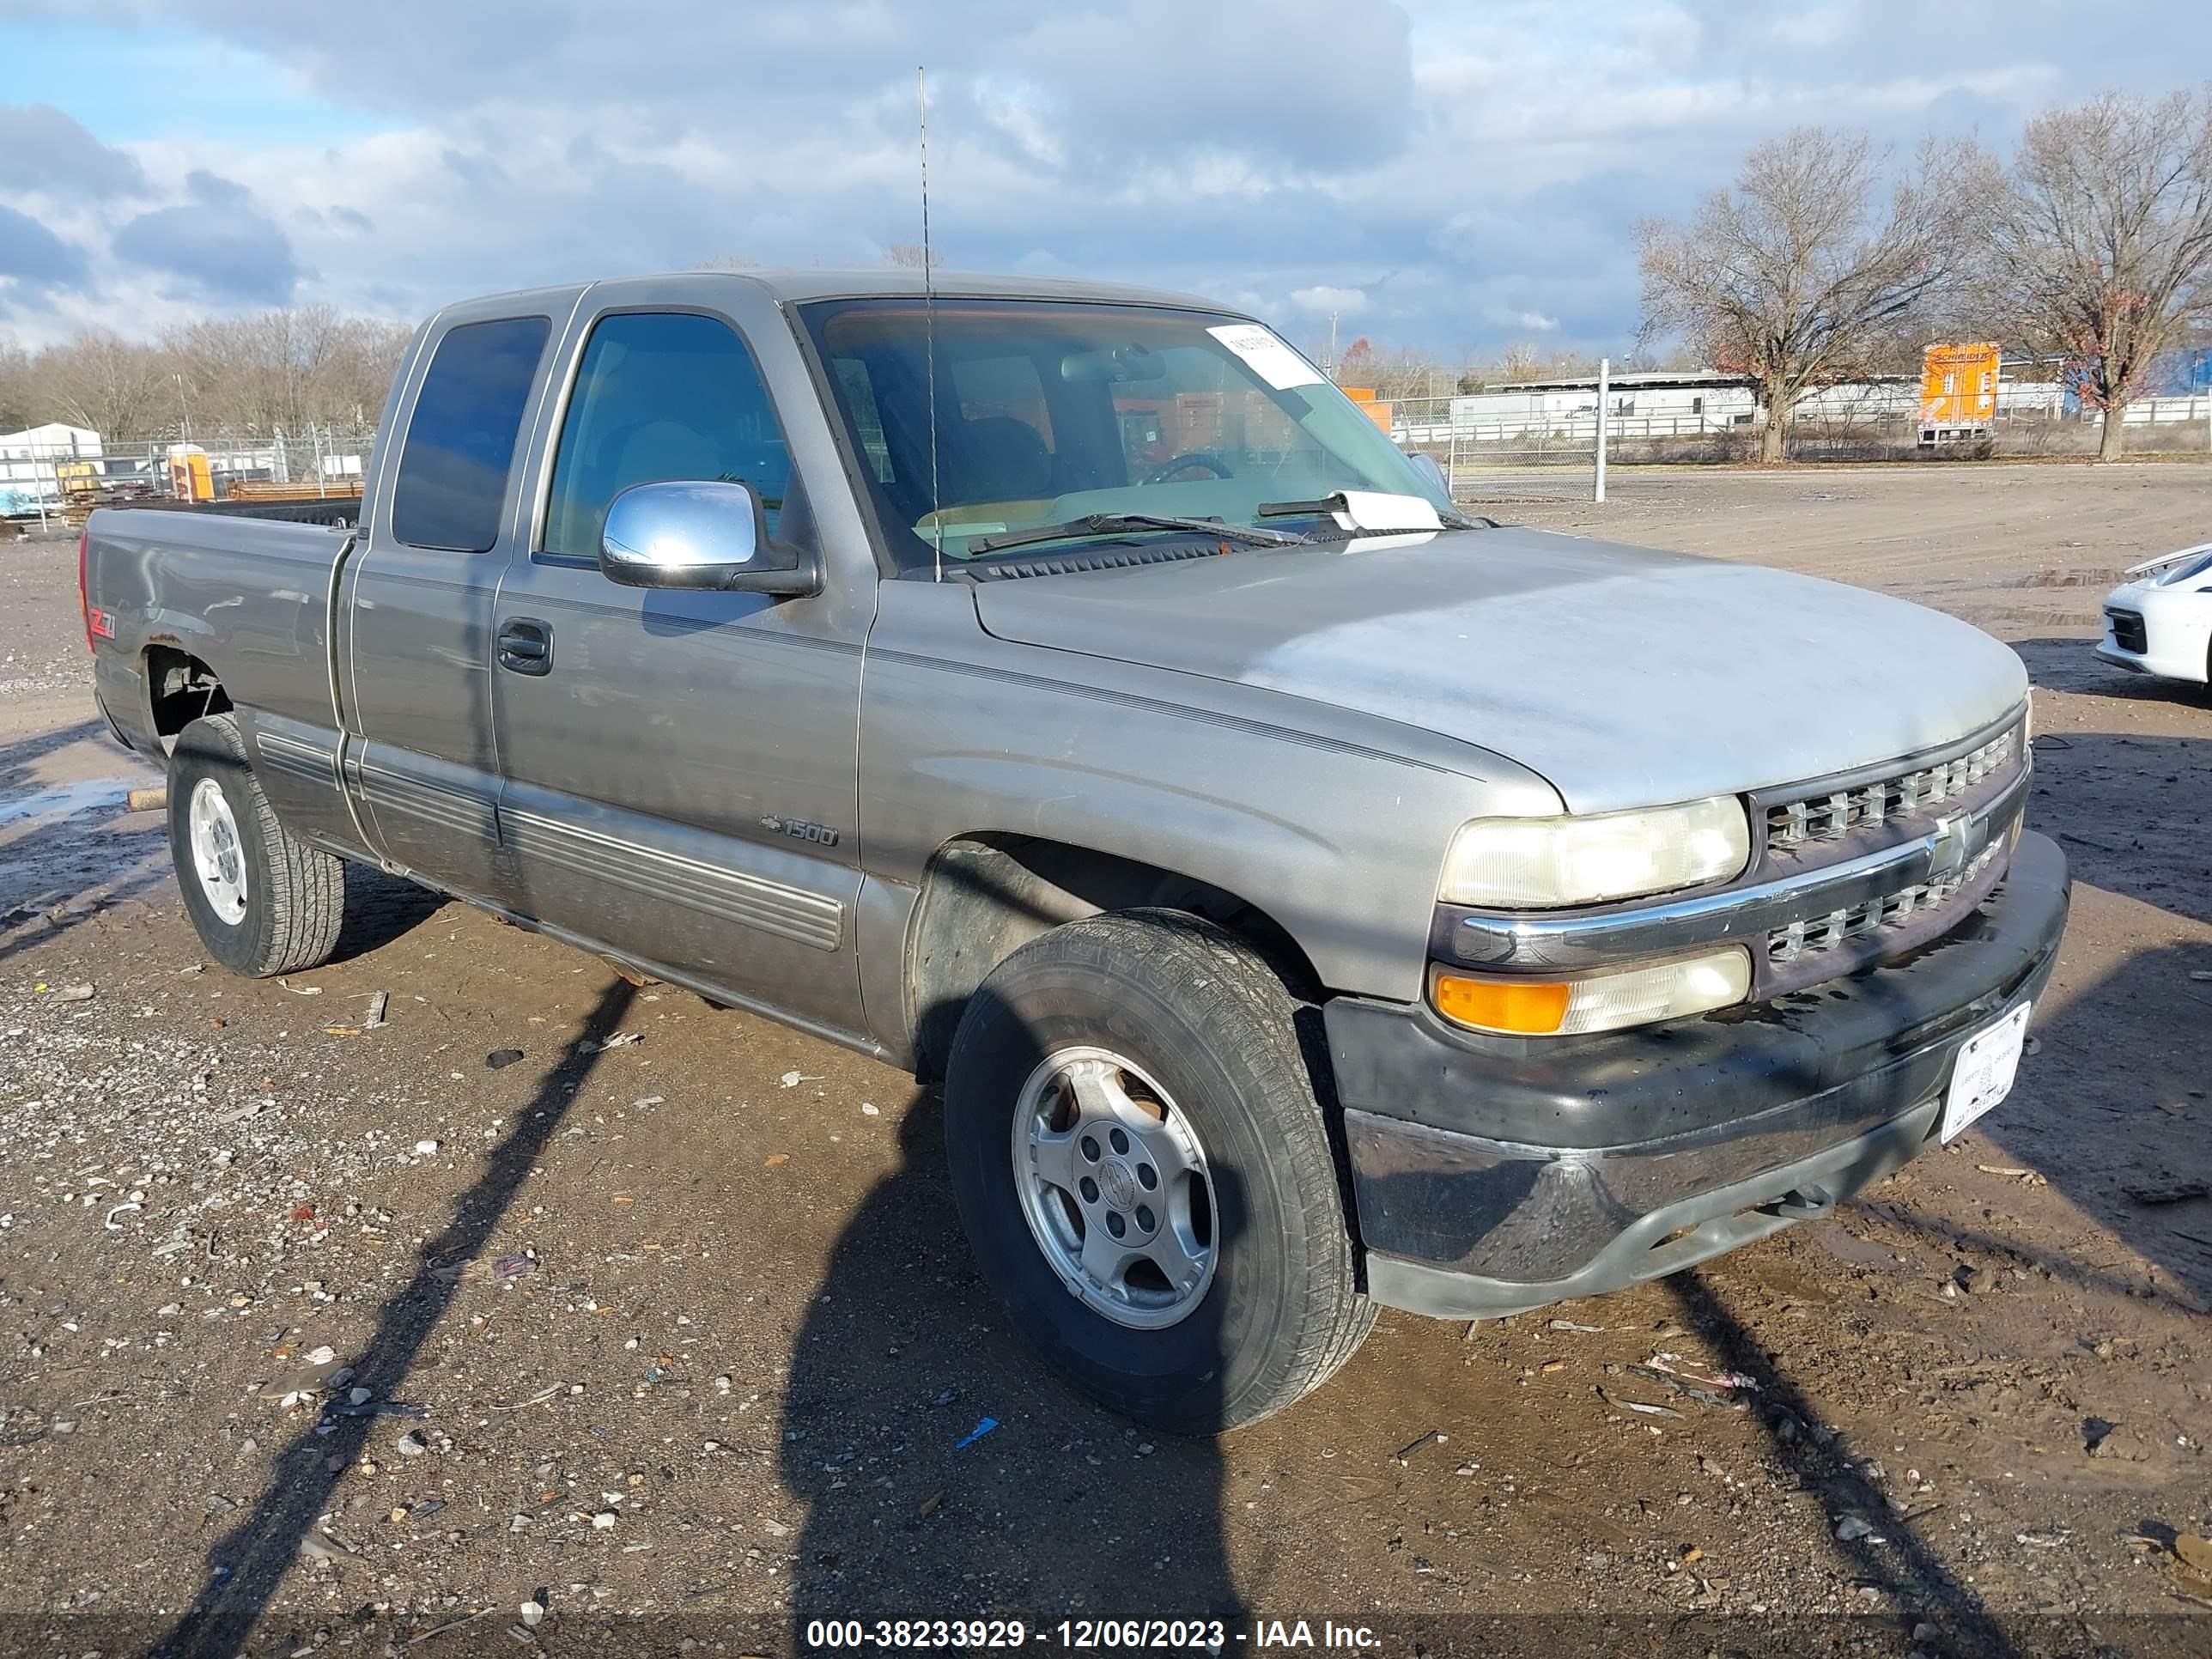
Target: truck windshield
[(1052, 413)]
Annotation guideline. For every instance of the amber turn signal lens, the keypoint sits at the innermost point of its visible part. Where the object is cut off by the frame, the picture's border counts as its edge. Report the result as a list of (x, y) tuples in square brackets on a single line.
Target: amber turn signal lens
[(1599, 1002), (1532, 1008)]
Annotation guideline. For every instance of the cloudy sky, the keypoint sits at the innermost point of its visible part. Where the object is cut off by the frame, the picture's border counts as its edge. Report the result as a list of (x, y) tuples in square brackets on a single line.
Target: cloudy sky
[(1451, 175)]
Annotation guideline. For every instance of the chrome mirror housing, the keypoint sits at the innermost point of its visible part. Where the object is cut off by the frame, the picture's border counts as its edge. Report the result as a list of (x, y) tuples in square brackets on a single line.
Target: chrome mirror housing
[(1427, 465), (698, 533)]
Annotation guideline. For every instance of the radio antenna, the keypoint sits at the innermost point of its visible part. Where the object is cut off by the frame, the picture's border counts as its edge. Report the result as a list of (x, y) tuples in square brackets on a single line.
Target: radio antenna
[(929, 317)]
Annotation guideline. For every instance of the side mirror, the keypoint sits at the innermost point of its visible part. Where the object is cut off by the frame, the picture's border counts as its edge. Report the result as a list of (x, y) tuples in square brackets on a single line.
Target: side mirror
[(698, 534), (1427, 465)]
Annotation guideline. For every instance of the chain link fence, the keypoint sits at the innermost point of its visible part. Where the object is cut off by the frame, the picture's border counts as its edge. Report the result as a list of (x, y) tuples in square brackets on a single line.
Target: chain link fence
[(1498, 456), (47, 480), (1504, 454), (1501, 457)]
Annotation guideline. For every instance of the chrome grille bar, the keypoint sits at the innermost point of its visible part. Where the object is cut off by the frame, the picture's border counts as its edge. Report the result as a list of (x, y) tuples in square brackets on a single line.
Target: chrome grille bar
[(1884, 911), (1795, 824)]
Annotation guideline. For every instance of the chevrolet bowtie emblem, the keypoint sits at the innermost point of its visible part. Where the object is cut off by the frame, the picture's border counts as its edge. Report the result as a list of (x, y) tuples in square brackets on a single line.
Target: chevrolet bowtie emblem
[(1948, 848)]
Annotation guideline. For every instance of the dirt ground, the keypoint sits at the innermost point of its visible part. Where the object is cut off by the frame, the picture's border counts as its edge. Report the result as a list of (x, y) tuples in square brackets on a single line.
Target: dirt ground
[(677, 1339)]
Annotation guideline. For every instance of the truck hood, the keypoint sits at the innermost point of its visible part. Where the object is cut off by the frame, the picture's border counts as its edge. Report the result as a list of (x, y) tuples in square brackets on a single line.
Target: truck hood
[(1626, 678)]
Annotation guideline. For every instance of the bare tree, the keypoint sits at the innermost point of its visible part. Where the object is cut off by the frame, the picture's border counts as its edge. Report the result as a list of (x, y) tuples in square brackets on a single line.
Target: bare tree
[(2100, 247), (103, 381), (15, 403), (279, 372), (1404, 372), (910, 256), (1520, 363), (1802, 274), (286, 371)]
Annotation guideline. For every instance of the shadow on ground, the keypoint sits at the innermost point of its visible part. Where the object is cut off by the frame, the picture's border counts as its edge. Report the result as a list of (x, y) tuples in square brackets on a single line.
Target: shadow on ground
[(1129, 1523), (379, 909), (2062, 663), (248, 1563)]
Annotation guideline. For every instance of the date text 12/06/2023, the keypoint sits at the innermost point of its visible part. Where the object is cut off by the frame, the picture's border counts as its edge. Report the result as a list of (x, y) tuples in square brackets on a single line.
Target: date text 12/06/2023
[(1211, 1636)]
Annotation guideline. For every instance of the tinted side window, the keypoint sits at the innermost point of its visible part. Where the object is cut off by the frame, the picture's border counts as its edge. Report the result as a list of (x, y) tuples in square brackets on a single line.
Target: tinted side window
[(660, 396), (460, 440)]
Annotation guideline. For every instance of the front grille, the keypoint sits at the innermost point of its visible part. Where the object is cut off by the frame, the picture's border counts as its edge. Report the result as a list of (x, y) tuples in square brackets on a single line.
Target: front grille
[(1832, 816), (2128, 630), (1889, 911)]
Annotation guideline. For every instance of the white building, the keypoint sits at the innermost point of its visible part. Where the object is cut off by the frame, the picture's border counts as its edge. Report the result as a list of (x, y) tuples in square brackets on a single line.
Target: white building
[(1661, 403), (26, 464)]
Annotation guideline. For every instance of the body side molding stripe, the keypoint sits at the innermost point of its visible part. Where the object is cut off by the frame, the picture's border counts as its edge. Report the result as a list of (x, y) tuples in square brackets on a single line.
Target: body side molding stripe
[(751, 901)]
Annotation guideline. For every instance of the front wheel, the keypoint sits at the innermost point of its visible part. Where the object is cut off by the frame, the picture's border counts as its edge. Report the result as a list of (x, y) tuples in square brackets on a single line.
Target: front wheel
[(262, 901), (1143, 1170)]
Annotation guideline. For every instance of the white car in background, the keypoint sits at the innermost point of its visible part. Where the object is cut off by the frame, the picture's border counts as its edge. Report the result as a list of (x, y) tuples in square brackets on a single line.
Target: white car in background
[(2160, 623)]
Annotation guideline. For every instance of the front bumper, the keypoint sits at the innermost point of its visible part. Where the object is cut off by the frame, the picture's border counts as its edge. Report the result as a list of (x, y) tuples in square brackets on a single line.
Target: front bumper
[(1493, 1176), (2165, 632)]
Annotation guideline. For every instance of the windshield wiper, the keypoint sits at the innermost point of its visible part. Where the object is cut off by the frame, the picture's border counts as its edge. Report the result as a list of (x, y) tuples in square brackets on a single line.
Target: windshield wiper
[(1323, 506), (1110, 523)]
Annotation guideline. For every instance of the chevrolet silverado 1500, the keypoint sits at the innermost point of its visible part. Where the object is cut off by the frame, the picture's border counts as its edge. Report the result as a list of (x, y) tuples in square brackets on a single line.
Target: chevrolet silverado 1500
[(1312, 899)]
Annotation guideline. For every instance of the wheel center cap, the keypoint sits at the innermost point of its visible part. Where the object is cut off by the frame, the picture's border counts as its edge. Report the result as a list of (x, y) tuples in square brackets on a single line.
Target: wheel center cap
[(1116, 1182)]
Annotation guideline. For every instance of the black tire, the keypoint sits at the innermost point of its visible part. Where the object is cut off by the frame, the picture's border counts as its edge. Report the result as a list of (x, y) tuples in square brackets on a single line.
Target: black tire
[(294, 894), (1201, 1012)]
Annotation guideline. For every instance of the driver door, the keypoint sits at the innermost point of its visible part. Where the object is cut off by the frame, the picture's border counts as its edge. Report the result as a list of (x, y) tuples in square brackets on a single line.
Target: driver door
[(681, 774)]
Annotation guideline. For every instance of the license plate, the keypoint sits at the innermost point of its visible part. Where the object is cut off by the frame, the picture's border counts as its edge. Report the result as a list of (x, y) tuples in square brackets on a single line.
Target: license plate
[(1982, 1075)]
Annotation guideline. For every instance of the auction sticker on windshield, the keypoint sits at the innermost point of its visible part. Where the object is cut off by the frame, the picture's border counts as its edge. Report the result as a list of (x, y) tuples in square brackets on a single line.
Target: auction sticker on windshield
[(1983, 1074), (1266, 356)]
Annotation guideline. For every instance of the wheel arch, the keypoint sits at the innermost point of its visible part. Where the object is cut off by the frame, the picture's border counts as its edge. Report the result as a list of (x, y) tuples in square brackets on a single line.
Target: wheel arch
[(986, 894), (178, 688)]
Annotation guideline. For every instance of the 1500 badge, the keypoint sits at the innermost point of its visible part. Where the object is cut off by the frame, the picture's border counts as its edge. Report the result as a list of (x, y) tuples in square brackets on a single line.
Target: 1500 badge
[(820, 834)]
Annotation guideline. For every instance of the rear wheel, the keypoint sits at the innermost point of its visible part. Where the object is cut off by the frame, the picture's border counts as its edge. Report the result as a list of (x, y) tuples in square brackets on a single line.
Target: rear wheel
[(1143, 1168), (262, 901)]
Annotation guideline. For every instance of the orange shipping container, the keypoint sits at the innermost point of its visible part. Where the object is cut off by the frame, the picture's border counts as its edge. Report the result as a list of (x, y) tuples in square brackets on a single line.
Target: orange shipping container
[(1958, 385)]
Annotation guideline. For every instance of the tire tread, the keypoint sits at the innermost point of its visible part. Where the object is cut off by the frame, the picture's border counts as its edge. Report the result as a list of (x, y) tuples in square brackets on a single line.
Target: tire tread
[(1232, 989), (304, 886)]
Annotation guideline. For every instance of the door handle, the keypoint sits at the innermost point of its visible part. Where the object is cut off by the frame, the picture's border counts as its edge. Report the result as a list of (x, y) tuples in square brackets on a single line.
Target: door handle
[(525, 645)]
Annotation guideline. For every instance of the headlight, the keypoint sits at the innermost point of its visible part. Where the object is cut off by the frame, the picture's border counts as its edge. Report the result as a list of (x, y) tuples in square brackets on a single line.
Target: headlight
[(1602, 1002), (2185, 570), (1533, 864)]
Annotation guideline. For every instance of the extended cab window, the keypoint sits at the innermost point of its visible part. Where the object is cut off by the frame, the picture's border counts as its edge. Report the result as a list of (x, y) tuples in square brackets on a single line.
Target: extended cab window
[(460, 441), (662, 396)]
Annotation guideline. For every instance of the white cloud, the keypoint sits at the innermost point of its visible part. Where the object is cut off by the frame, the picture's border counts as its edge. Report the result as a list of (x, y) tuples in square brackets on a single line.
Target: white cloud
[(1452, 176), (1815, 25), (1323, 300)]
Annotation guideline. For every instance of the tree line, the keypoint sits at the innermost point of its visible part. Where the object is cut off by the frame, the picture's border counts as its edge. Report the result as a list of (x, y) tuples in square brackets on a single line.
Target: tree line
[(2092, 248), (235, 377), (1829, 260), (1397, 373)]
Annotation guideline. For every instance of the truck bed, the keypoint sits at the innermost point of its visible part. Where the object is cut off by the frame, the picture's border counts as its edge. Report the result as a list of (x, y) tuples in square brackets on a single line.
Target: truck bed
[(166, 589), (340, 510)]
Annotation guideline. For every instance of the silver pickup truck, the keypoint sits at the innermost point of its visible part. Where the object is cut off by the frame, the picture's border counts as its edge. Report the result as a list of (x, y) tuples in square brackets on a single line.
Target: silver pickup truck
[(1310, 898)]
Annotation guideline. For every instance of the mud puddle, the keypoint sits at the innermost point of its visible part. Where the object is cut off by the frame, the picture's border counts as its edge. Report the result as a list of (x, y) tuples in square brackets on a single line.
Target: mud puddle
[(77, 839), (67, 801)]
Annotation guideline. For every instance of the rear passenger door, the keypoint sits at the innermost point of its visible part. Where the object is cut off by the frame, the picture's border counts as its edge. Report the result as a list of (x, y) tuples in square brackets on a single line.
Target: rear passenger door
[(418, 607), (681, 767)]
